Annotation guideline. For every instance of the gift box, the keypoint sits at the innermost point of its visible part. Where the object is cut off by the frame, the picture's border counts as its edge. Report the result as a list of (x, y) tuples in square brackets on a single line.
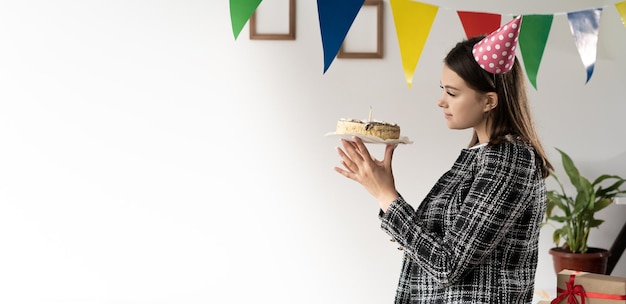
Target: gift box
[(594, 288)]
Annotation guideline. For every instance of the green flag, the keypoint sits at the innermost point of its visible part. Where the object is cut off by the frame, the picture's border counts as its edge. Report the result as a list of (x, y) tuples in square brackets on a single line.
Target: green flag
[(240, 12), (532, 41)]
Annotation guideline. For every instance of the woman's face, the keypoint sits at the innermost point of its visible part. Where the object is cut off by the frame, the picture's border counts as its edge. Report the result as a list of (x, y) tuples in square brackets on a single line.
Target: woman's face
[(463, 107)]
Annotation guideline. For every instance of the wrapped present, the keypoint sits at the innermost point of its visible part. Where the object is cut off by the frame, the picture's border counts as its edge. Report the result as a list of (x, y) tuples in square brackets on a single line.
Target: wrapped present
[(589, 288)]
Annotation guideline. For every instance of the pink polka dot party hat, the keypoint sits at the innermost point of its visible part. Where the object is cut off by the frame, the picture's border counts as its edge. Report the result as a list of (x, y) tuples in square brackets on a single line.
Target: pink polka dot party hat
[(496, 52)]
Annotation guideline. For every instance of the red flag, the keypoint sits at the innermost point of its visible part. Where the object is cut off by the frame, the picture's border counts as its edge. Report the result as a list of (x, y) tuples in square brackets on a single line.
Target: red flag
[(477, 23)]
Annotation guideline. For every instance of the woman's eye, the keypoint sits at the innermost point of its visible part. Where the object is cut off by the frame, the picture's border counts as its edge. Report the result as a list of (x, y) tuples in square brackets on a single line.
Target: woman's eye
[(447, 92)]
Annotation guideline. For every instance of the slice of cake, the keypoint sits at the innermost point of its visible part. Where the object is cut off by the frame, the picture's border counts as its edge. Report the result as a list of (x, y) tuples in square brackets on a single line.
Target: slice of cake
[(381, 129)]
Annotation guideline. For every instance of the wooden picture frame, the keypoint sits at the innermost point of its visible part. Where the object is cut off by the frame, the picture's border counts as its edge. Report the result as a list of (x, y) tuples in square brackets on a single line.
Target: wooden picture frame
[(290, 35), (378, 53)]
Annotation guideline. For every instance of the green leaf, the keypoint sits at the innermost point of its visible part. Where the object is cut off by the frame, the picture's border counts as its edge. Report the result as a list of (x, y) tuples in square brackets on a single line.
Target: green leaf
[(613, 189), (556, 236), (583, 200), (559, 219), (601, 204), (604, 177), (595, 223), (555, 199), (570, 169)]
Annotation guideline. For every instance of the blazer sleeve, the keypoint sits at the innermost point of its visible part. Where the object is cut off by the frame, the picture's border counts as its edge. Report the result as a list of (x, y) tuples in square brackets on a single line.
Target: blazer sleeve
[(498, 196)]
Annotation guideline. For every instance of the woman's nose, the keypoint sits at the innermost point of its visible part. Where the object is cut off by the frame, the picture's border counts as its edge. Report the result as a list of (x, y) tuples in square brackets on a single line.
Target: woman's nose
[(441, 103)]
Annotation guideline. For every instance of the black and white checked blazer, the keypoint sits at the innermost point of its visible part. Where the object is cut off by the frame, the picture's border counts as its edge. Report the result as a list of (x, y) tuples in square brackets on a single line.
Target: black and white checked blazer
[(474, 238)]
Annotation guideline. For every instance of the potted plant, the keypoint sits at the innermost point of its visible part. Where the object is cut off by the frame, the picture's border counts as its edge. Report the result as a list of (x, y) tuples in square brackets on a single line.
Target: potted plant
[(577, 217)]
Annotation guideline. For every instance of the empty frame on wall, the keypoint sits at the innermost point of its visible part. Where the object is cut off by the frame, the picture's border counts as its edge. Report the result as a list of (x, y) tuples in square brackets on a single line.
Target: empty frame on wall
[(365, 38), (274, 20)]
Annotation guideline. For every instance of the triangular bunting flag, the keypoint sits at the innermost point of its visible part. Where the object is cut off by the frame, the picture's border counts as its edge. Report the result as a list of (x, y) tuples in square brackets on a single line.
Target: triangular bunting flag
[(240, 12), (621, 9), (335, 19), (413, 21), (478, 23), (532, 41), (585, 26)]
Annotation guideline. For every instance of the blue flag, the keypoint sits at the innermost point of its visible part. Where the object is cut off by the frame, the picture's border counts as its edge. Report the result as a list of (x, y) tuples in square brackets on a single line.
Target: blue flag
[(585, 26), (336, 18)]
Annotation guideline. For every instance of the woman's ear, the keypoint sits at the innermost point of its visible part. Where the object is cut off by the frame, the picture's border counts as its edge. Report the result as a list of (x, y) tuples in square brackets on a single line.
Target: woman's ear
[(491, 101)]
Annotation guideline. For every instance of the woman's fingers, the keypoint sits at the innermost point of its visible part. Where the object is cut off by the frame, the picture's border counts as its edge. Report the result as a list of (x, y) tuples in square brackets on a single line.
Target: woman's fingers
[(352, 153), (343, 172), (389, 154), (360, 146), (352, 159), (346, 161)]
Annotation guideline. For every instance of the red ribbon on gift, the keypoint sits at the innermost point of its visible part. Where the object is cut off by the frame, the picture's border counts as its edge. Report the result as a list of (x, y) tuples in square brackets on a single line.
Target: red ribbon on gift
[(577, 290), (571, 292)]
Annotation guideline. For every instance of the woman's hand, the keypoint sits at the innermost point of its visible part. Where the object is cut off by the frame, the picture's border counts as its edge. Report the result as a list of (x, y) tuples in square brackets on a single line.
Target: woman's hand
[(374, 175)]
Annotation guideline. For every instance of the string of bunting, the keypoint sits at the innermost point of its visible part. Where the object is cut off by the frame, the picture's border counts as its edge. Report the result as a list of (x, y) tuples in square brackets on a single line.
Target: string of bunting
[(413, 21)]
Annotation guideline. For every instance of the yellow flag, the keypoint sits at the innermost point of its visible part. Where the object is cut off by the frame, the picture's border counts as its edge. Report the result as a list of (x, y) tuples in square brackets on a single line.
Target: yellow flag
[(413, 21), (621, 9)]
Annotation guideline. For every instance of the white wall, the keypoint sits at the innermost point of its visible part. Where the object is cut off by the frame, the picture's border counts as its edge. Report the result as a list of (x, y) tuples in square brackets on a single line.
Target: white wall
[(148, 157)]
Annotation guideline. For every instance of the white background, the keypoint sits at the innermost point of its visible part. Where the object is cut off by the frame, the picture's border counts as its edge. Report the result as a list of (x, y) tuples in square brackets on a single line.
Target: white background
[(146, 156)]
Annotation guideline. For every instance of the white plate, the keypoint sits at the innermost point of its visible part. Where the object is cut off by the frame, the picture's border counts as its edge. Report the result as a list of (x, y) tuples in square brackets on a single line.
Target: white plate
[(372, 139)]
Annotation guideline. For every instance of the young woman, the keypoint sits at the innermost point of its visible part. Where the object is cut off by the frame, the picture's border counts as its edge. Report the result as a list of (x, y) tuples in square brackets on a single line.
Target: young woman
[(474, 238)]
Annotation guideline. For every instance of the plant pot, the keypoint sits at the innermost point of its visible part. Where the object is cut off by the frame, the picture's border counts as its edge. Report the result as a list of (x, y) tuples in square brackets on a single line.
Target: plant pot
[(594, 260)]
